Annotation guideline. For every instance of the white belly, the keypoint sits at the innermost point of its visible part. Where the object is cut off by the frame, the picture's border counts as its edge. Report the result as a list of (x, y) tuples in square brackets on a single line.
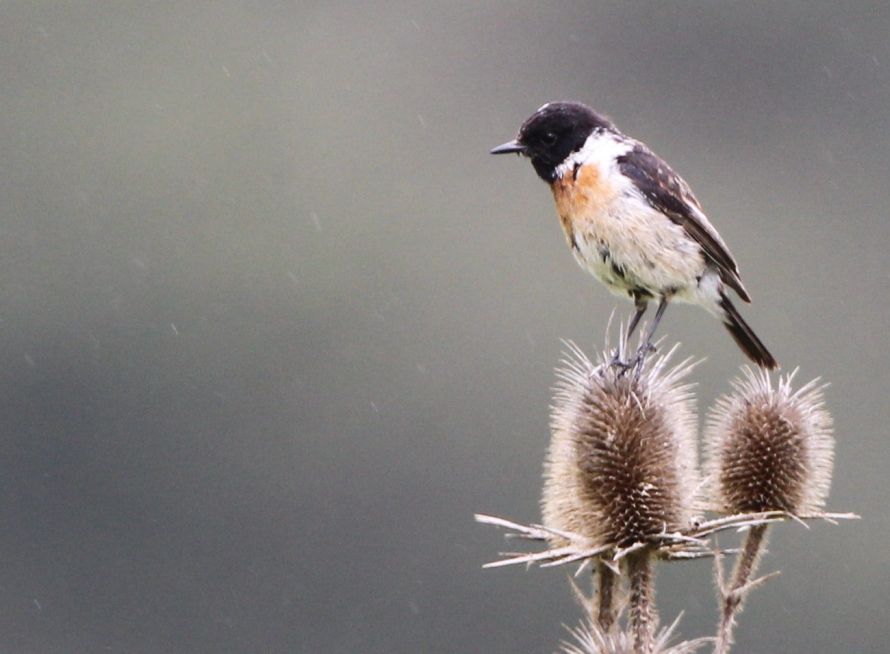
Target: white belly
[(629, 245)]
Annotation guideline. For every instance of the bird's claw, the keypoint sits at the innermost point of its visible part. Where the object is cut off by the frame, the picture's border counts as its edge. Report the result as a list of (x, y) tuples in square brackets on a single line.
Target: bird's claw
[(635, 362)]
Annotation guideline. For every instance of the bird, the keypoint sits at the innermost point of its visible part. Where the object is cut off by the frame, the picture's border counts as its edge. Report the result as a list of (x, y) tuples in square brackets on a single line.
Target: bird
[(632, 222)]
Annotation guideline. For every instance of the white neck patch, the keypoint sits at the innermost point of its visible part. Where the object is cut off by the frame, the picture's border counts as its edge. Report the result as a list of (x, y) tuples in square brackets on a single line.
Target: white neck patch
[(600, 149)]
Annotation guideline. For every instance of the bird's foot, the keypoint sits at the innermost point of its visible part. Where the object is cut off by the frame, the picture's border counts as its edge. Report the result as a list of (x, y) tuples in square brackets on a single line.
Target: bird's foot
[(635, 362), (640, 357), (617, 362)]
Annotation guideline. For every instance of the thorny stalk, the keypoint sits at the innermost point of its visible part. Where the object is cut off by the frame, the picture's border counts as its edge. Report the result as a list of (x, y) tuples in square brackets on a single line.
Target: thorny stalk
[(605, 612), (732, 597), (643, 615)]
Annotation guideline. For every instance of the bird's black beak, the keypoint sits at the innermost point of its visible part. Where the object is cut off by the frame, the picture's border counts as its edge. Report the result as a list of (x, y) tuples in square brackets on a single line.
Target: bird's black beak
[(508, 147)]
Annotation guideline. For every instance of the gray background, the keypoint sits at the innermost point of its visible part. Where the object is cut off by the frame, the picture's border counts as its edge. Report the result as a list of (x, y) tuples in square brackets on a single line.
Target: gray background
[(274, 325)]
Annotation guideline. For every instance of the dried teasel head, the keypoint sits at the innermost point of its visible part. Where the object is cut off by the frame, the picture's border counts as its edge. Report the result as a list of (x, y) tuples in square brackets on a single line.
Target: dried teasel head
[(622, 465), (768, 447)]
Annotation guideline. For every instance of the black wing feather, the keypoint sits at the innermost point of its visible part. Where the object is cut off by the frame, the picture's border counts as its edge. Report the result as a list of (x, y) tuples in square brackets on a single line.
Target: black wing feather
[(668, 193)]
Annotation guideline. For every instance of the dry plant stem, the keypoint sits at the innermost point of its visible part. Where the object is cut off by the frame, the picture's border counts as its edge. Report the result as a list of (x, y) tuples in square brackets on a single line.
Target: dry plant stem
[(643, 616), (605, 613), (745, 568)]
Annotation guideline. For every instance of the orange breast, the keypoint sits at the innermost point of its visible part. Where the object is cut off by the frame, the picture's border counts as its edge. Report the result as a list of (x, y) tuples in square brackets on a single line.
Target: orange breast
[(581, 198)]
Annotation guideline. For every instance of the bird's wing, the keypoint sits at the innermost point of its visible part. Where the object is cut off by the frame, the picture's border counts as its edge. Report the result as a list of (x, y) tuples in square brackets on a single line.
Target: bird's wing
[(667, 192)]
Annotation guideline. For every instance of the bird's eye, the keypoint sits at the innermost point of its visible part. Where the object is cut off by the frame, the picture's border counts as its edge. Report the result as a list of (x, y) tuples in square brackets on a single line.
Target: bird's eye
[(550, 138)]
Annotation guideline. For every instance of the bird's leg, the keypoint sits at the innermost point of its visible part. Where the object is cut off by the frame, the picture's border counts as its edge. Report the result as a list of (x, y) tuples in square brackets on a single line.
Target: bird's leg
[(647, 346), (636, 362), (641, 306)]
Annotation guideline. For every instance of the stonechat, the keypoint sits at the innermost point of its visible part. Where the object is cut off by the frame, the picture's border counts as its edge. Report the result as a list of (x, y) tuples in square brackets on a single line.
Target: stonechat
[(631, 221)]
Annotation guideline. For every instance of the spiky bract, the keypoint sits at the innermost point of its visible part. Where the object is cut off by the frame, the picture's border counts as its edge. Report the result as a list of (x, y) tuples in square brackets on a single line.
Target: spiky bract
[(589, 638)]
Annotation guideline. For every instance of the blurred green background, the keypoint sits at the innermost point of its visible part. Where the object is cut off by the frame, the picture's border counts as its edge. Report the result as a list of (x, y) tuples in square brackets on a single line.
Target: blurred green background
[(274, 325)]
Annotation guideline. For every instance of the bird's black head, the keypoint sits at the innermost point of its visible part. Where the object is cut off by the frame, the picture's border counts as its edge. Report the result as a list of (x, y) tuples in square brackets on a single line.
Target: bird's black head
[(552, 133)]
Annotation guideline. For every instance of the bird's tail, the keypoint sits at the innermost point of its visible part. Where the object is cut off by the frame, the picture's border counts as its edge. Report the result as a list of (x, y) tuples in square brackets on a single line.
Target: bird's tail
[(745, 337)]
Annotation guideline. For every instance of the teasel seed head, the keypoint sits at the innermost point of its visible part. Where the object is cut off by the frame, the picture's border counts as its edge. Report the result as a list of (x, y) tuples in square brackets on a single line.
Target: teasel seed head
[(622, 462), (768, 447)]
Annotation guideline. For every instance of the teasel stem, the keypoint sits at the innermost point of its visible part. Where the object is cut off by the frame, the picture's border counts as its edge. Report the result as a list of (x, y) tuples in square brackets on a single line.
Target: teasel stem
[(732, 598), (643, 616), (605, 612)]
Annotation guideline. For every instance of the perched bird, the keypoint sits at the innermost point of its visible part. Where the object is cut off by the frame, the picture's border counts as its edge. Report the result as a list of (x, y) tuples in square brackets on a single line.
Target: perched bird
[(631, 221)]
